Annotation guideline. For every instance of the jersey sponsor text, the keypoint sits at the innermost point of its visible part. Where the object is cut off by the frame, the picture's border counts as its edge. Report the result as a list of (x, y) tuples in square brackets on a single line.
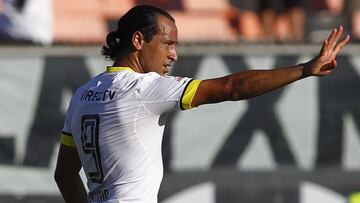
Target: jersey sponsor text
[(89, 95)]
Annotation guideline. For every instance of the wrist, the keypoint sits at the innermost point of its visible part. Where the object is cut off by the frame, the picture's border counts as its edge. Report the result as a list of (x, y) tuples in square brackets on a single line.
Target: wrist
[(305, 70)]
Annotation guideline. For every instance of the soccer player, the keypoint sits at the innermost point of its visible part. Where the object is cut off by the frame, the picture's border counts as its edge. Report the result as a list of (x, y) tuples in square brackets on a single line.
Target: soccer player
[(114, 123)]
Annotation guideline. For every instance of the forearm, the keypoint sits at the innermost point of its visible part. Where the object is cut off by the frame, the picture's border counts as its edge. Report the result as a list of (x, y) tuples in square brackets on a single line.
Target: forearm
[(72, 189), (252, 83), (248, 84)]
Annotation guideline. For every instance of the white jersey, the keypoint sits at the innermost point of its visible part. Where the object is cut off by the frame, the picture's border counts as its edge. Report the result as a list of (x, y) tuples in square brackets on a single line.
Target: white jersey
[(116, 121)]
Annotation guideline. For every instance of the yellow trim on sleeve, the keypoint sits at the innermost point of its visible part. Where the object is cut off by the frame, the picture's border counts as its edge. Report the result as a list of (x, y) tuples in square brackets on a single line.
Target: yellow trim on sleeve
[(354, 197), (67, 140), (111, 69), (189, 94)]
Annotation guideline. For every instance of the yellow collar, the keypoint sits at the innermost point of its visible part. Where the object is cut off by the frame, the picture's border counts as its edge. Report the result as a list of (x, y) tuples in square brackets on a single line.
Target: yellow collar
[(111, 69)]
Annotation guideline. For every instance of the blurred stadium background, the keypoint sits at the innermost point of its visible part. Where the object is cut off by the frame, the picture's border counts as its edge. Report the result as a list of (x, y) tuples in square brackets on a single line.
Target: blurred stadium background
[(299, 144)]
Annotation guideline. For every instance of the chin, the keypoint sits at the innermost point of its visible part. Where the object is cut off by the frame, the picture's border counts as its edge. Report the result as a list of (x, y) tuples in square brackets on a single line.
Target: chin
[(164, 72)]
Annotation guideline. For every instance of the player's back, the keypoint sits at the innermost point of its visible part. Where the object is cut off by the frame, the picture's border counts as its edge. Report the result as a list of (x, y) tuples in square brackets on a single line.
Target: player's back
[(121, 160)]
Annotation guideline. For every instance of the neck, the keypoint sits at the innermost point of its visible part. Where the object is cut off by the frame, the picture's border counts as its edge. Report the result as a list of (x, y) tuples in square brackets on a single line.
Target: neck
[(130, 60)]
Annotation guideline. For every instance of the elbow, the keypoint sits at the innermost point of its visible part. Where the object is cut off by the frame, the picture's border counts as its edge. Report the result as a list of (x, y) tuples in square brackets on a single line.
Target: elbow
[(57, 177), (235, 90), (62, 180), (62, 176)]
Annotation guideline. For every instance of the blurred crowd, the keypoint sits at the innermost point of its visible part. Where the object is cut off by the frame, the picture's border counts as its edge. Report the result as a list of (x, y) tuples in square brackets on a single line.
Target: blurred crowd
[(259, 21), (26, 21), (294, 20)]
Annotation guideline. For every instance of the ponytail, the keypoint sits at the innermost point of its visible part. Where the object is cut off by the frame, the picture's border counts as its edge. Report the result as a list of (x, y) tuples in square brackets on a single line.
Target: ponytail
[(113, 47)]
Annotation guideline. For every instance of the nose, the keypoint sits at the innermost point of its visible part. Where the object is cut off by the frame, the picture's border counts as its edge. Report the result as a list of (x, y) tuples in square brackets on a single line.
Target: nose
[(173, 54)]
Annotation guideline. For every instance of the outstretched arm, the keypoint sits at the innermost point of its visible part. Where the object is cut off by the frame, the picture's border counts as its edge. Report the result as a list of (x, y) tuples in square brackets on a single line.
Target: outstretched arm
[(247, 84), (67, 175)]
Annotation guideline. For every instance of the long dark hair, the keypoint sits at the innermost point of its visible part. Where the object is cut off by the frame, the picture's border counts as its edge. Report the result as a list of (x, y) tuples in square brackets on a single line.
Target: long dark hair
[(141, 18)]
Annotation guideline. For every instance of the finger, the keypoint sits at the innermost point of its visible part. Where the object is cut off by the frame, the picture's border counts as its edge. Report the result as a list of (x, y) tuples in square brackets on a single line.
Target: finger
[(328, 72), (340, 45), (324, 47), (333, 39), (339, 33), (330, 40), (332, 35), (327, 43)]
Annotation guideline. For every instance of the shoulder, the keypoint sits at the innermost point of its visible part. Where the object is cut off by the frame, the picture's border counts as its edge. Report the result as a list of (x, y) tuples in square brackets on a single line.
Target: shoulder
[(156, 79)]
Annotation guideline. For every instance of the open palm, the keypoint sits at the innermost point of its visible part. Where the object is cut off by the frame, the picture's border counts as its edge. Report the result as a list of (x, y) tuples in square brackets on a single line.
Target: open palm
[(325, 62)]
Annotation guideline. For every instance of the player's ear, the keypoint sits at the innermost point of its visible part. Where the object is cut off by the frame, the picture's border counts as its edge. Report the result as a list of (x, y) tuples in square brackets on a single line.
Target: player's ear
[(138, 40)]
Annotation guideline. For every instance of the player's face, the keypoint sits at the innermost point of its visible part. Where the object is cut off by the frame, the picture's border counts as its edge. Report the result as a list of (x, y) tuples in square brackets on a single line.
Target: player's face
[(159, 54)]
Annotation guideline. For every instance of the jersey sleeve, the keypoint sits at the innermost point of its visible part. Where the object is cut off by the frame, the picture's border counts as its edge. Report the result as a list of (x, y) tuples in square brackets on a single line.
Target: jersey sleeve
[(166, 93), (67, 139)]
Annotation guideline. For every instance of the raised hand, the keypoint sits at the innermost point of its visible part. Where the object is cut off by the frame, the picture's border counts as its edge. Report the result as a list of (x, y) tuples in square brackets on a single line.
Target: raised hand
[(325, 62)]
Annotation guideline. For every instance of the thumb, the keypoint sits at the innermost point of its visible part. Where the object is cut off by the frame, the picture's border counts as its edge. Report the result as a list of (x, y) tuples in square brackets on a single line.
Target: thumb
[(329, 66), (334, 63)]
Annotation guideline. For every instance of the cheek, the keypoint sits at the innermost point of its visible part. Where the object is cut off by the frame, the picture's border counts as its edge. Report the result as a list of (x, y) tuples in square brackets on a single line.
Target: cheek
[(159, 55), (148, 54), (152, 61), (154, 56), (163, 50)]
